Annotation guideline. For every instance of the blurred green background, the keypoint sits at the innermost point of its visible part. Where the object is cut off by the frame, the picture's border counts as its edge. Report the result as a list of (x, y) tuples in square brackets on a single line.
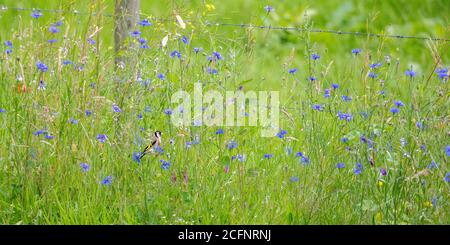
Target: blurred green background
[(413, 18), (419, 18)]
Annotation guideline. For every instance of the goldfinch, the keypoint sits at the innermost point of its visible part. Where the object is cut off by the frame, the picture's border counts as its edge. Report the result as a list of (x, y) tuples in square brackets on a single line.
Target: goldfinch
[(155, 142)]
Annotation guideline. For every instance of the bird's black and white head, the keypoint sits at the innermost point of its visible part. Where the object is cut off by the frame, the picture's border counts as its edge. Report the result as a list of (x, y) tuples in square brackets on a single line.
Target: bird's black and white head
[(158, 134)]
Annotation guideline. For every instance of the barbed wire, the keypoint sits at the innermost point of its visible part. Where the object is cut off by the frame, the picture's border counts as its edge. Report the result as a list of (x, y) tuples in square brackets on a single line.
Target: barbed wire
[(247, 26), (328, 31)]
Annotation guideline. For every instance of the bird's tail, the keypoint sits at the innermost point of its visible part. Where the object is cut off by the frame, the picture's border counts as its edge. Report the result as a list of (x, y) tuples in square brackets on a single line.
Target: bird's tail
[(142, 155)]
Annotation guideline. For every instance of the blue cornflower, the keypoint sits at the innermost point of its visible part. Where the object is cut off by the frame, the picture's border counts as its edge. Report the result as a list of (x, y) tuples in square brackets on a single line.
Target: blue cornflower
[(442, 73), (175, 53), (91, 41), (326, 93), (395, 110), (281, 133), (73, 121), (102, 138), (315, 56), (317, 107), (345, 116), (344, 140), (410, 73), (299, 154), (116, 108), (292, 70), (312, 79), (142, 40), (268, 8), (447, 150), (212, 71), (383, 171), (447, 177), (423, 147), (53, 29), (358, 168), (139, 116), (219, 131), (419, 125), (340, 165), (432, 165), (41, 66), (161, 76), (185, 40), (79, 67), (9, 44), (197, 123), (58, 23), (335, 86), (375, 65), (159, 149), (216, 55), (52, 41), (363, 139), (49, 137), (232, 144), (294, 179), (8, 51), (144, 46), (398, 103), (372, 75), (36, 14), (88, 112), (42, 85), (168, 112), (39, 132), (67, 62), (137, 157), (165, 164), (135, 33), (84, 167), (107, 180), (239, 157), (305, 159), (196, 50), (2, 110), (356, 51), (144, 22), (346, 98), (268, 156)]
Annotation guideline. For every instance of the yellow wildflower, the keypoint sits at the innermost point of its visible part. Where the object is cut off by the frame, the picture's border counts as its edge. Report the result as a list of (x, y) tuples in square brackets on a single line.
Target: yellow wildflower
[(210, 7)]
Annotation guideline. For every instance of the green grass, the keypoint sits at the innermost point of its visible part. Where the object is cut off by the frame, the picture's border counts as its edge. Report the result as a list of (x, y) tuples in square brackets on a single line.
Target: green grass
[(41, 181)]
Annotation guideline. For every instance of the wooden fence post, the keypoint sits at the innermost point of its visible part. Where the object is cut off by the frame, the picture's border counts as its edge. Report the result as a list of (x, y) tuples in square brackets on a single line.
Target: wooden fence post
[(126, 17)]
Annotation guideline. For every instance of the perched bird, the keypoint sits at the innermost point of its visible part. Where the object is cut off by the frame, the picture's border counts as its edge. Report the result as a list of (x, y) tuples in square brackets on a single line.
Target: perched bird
[(155, 142)]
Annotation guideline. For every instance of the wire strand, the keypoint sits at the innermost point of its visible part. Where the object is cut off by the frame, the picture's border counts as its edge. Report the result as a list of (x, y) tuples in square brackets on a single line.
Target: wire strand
[(247, 26)]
